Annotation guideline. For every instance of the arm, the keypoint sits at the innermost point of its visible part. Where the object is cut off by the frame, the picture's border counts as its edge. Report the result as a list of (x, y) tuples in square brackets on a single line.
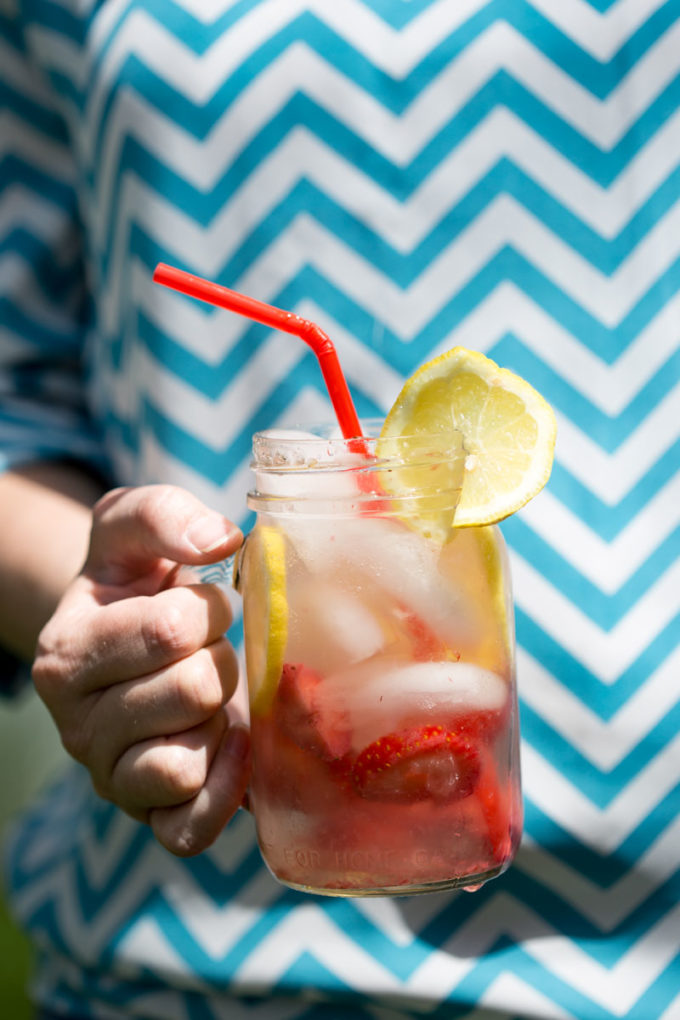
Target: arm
[(136, 672), (45, 428), (45, 525)]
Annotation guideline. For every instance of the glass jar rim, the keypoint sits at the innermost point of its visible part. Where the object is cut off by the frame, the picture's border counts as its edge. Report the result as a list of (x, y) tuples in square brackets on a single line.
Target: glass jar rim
[(408, 474), (321, 447)]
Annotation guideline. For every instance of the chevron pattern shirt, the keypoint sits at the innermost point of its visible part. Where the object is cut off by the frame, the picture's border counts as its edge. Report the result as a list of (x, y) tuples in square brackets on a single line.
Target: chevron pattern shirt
[(410, 174)]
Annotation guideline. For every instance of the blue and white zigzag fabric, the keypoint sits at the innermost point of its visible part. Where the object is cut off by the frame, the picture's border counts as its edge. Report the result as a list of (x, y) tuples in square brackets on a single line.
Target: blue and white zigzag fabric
[(411, 174)]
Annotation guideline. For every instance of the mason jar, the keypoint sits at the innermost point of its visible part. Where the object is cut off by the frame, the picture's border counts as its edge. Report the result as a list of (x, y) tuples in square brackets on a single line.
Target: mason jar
[(380, 656)]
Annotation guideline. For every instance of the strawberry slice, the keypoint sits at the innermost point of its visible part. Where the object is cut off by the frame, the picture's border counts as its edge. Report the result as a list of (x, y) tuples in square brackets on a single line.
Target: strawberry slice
[(416, 764), (297, 710), (425, 645), (481, 724)]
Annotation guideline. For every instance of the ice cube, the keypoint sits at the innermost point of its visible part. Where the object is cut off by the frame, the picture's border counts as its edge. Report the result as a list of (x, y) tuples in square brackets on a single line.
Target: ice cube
[(402, 563), (303, 465), (385, 695), (330, 628)]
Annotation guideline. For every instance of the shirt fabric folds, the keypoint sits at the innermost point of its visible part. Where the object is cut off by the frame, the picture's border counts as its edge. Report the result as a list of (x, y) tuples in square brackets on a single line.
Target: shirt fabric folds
[(411, 174)]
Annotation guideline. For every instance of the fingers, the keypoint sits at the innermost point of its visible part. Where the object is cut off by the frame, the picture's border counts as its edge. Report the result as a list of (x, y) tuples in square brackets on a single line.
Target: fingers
[(192, 827), (133, 528), (166, 771), (188, 787), (135, 636), (137, 674), (171, 701)]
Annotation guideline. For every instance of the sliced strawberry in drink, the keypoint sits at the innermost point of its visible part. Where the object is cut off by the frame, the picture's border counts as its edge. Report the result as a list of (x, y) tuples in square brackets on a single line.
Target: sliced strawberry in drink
[(416, 764), (425, 645), (494, 801), (297, 712), (481, 724)]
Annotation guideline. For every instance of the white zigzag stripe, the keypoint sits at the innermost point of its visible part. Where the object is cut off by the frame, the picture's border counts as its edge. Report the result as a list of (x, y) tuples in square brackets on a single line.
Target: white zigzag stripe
[(18, 277), (398, 137), (395, 51), (211, 337), (217, 929), (146, 936), (207, 11), (157, 464), (19, 139), (504, 222), (197, 76), (605, 209), (87, 937), (210, 334), (206, 332), (603, 829), (214, 422), (613, 476), (673, 1011), (609, 476), (401, 224), (604, 743), (21, 208), (309, 929), (145, 942), (608, 565), (614, 988), (406, 311), (609, 387), (507, 988), (217, 423), (397, 922), (366, 371), (600, 33), (13, 346), (606, 654), (605, 908), (16, 72)]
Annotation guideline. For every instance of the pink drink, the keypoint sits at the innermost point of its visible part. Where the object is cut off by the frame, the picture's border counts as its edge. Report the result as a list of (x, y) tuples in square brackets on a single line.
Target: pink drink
[(381, 669)]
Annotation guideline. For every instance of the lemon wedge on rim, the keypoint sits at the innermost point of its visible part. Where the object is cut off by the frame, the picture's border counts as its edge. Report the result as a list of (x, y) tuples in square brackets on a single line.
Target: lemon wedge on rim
[(265, 613), (508, 431)]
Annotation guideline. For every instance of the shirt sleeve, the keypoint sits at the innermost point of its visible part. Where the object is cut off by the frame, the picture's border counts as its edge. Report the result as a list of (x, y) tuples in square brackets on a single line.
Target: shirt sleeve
[(44, 304), (44, 301)]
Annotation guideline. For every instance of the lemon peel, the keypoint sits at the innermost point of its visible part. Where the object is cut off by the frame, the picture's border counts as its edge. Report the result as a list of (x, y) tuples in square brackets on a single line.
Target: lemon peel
[(265, 612), (508, 431)]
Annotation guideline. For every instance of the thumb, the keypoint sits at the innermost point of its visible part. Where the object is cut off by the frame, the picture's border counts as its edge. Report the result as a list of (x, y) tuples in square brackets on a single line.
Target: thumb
[(134, 528)]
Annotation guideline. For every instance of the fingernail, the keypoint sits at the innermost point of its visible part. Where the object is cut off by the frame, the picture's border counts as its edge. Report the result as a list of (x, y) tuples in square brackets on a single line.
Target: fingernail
[(209, 533), (238, 743)]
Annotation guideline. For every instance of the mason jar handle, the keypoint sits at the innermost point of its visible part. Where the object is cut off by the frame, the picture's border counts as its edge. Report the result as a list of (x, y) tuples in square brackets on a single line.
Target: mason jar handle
[(225, 573)]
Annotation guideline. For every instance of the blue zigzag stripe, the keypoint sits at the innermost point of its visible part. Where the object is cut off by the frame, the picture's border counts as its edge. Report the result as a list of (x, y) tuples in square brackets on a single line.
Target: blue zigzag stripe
[(607, 700), (598, 77)]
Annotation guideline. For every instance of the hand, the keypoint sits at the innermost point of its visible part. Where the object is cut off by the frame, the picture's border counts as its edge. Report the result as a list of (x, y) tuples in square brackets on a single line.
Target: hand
[(137, 674)]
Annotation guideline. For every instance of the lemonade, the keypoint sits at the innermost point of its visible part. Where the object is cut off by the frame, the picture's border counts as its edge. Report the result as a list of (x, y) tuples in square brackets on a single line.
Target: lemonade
[(380, 641), (378, 623)]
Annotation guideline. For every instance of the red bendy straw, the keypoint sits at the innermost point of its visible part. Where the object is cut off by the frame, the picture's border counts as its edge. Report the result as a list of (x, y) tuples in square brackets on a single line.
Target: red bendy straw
[(277, 318)]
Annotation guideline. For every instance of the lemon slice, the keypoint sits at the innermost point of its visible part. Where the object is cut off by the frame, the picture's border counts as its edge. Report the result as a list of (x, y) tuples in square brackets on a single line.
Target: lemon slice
[(265, 613), (476, 561), (507, 428)]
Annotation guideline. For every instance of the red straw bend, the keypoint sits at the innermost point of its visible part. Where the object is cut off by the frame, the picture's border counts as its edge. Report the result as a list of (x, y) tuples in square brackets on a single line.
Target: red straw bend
[(276, 318)]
